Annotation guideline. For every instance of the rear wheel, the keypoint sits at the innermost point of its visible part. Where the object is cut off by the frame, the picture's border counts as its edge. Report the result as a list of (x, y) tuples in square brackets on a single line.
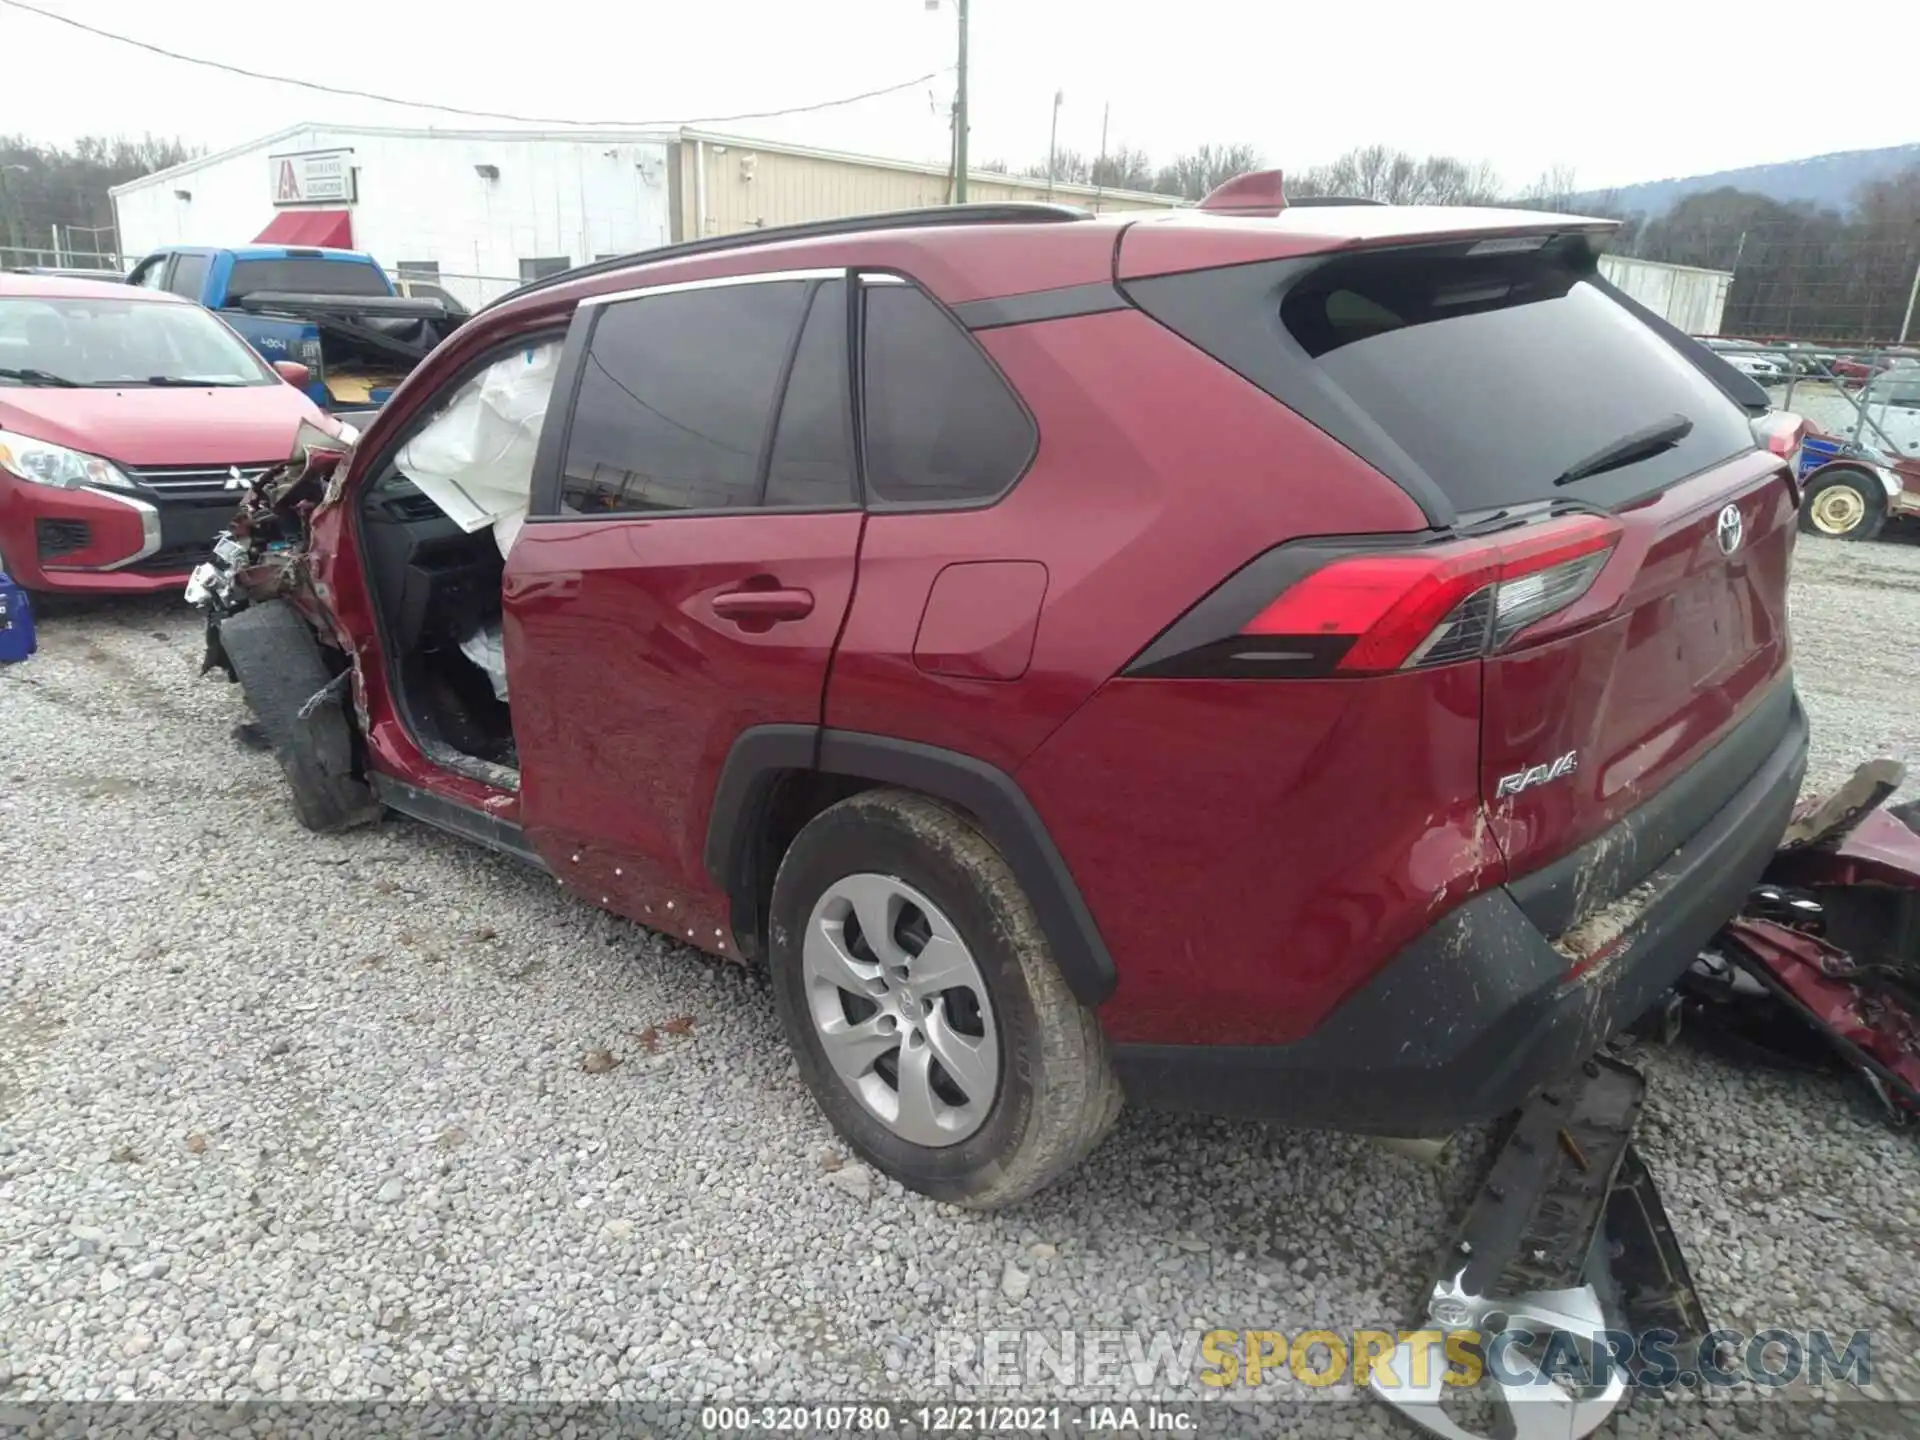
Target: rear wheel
[(924, 1008), (1844, 502), (279, 666)]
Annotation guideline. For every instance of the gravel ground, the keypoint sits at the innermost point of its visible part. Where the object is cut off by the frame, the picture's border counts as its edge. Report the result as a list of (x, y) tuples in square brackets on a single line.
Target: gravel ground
[(291, 1116)]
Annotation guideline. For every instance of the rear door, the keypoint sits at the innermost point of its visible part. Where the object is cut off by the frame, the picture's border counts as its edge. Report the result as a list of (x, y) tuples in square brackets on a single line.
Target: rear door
[(683, 575), (1501, 383)]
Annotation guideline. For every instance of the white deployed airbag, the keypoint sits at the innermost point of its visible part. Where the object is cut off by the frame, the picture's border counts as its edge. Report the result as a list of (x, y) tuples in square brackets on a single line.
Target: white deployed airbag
[(486, 648), (475, 458)]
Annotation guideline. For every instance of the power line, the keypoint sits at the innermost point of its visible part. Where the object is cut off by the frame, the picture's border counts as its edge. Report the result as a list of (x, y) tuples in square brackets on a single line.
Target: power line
[(455, 109)]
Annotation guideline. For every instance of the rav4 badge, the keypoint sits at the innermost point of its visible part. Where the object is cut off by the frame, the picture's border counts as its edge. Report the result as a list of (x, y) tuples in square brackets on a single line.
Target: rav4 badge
[(1537, 775)]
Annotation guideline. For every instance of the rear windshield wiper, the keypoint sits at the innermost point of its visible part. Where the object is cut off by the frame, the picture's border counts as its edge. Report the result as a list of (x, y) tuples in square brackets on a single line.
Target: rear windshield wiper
[(1641, 444), (30, 376)]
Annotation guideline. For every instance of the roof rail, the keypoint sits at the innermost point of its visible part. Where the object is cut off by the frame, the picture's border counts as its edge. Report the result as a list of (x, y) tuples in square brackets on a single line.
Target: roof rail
[(1012, 212), (1295, 202)]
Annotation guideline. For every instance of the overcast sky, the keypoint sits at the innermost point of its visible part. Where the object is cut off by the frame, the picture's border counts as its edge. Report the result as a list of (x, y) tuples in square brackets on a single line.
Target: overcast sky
[(1624, 91)]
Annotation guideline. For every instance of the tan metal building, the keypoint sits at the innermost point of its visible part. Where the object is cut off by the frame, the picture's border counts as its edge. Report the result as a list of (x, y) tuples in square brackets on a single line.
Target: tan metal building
[(720, 184)]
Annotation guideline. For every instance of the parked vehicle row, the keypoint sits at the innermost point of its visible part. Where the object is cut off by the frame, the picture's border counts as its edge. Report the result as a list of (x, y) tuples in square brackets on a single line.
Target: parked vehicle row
[(935, 609), (1775, 363)]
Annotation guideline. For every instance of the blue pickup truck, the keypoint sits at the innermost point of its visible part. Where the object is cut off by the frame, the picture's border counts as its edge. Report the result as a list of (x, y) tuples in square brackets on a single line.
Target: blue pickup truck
[(334, 311)]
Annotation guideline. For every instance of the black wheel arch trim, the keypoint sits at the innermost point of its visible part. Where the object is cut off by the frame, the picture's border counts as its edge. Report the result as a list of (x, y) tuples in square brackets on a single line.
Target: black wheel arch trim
[(763, 753)]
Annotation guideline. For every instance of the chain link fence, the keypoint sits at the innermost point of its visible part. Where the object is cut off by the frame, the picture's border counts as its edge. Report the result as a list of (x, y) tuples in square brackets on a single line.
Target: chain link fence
[(1869, 396), (108, 265)]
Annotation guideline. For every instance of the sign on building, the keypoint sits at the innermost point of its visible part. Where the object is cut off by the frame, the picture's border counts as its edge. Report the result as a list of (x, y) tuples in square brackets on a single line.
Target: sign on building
[(313, 177)]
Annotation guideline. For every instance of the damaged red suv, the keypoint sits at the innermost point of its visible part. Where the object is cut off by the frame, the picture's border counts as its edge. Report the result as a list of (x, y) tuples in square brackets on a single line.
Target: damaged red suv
[(1321, 662)]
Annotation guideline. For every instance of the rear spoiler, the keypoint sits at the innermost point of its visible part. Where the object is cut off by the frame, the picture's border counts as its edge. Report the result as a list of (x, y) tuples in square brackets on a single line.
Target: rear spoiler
[(372, 307)]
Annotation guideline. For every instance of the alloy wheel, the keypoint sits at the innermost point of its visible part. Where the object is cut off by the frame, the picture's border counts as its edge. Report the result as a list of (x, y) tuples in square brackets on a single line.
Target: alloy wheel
[(901, 1009)]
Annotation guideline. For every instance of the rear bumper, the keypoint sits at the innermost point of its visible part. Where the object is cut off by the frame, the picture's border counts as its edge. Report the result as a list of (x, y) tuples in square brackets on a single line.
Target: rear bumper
[(1465, 1023)]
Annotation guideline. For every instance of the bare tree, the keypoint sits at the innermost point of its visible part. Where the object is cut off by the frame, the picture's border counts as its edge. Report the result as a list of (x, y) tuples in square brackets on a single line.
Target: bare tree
[(1379, 172), (1552, 189), (42, 186), (1192, 175), (1068, 165), (1122, 169)]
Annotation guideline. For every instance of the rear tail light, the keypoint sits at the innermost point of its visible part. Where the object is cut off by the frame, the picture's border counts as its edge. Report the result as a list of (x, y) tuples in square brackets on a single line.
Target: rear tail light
[(1454, 602), (1372, 613)]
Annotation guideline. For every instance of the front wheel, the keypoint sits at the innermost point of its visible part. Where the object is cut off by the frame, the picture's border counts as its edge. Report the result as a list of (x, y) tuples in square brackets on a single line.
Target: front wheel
[(280, 669), (924, 1008), (1844, 502)]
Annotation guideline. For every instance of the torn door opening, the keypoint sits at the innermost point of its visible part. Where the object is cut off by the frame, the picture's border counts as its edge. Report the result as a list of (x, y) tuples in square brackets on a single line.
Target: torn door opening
[(473, 463)]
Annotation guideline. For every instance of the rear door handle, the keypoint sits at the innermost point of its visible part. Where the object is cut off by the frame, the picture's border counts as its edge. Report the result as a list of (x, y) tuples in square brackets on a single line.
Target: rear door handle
[(747, 606)]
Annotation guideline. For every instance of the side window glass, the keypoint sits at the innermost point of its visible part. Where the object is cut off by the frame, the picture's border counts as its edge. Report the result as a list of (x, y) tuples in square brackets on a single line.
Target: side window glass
[(149, 275), (941, 425), (812, 461), (189, 276), (676, 390)]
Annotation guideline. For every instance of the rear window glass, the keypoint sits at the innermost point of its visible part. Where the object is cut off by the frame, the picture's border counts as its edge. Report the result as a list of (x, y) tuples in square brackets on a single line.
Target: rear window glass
[(1498, 374), (941, 425), (304, 275)]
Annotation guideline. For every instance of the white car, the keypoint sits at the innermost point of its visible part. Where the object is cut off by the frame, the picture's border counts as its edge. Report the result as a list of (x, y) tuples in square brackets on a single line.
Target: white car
[(1768, 369)]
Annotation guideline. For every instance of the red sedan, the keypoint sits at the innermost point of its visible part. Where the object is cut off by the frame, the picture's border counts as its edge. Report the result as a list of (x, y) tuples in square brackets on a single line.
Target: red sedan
[(128, 420)]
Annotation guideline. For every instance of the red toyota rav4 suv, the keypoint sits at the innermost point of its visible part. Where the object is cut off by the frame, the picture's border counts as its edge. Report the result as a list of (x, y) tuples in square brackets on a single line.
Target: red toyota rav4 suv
[(1321, 662)]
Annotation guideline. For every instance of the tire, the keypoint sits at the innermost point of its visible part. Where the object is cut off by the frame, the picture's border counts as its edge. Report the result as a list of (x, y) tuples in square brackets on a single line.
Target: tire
[(278, 663), (1053, 1097), (1843, 502)]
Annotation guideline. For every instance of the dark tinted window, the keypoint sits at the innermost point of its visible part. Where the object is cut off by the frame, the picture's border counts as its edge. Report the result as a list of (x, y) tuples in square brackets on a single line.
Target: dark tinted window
[(675, 394), (303, 275), (812, 462), (1496, 374), (941, 424), (189, 276)]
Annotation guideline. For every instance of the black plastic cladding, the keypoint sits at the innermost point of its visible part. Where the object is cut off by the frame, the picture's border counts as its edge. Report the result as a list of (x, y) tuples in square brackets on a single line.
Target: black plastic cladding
[(992, 797)]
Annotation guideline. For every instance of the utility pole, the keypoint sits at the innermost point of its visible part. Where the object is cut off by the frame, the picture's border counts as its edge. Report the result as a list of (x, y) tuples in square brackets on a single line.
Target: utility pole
[(1100, 165), (960, 115), (1053, 139), (1913, 293)]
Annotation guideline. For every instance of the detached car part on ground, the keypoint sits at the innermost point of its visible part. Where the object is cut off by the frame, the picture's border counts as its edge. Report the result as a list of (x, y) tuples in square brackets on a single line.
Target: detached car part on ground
[(1566, 1236), (1369, 781), (1823, 963)]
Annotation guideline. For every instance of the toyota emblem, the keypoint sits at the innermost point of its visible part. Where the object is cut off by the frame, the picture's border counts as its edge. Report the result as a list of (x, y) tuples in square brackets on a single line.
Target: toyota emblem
[(1728, 529)]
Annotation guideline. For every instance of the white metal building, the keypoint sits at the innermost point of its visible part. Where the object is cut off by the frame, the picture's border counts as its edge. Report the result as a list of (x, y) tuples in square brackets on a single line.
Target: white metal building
[(1690, 298), (485, 209)]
